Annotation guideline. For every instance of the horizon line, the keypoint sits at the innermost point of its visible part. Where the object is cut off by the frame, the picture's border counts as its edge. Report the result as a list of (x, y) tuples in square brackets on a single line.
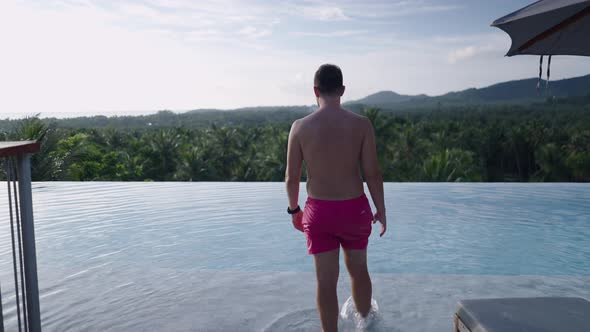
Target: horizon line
[(82, 114)]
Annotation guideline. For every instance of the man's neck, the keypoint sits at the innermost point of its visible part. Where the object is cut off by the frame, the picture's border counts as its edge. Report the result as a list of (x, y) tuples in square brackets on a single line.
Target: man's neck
[(329, 103)]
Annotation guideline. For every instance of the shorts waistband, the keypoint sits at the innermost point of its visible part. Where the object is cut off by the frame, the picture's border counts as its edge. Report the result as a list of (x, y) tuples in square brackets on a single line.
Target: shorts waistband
[(337, 202)]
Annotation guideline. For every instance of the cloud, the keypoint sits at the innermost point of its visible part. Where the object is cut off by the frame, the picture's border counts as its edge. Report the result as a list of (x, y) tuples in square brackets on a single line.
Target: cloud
[(373, 9), (390, 9), (474, 46), (205, 21), (338, 33), (78, 60), (202, 35), (299, 84), (464, 53), (245, 22), (324, 13), (253, 33)]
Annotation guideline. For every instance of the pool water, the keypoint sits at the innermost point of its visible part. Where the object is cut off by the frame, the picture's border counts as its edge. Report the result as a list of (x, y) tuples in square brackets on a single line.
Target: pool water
[(224, 256)]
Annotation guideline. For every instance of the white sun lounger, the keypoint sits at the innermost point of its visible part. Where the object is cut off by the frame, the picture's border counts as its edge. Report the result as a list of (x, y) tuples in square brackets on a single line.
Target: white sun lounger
[(542, 314)]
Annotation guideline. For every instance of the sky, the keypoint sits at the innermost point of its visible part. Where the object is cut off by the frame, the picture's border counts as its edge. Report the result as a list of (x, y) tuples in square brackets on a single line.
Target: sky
[(116, 57)]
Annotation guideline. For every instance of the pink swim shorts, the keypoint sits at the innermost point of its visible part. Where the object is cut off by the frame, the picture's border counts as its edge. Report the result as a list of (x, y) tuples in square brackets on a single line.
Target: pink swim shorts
[(327, 224)]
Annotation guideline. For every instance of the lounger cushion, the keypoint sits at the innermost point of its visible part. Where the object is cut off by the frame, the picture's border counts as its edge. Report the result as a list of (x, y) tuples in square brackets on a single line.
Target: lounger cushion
[(543, 314)]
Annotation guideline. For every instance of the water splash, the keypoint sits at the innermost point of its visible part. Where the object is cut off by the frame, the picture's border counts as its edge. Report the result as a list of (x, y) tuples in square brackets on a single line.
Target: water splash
[(350, 315)]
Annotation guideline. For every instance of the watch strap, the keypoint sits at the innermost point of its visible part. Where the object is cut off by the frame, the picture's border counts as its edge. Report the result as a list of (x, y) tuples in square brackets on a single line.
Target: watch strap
[(297, 209)]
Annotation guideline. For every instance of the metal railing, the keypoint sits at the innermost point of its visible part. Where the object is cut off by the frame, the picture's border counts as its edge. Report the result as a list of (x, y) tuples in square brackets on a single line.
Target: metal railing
[(16, 157)]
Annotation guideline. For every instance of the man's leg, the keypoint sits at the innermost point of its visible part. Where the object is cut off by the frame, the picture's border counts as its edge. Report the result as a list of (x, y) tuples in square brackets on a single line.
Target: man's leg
[(356, 263), (326, 267)]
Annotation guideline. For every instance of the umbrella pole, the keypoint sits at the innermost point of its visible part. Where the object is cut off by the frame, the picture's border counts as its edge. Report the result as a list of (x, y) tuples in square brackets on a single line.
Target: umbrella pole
[(540, 75), (548, 73)]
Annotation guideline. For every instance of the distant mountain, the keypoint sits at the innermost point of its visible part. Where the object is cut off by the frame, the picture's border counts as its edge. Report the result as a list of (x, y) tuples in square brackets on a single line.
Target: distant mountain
[(386, 97), (525, 90), (519, 91), (572, 91)]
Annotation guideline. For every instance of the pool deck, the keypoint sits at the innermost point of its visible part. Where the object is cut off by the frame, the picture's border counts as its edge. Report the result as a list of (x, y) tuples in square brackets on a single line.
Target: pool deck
[(286, 301), (275, 301)]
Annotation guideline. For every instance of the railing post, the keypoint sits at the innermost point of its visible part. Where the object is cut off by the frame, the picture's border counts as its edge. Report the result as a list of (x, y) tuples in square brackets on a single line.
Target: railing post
[(1, 315), (28, 234)]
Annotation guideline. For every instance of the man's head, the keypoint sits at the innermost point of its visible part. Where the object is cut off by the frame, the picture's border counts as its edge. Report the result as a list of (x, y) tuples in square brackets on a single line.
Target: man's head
[(327, 81)]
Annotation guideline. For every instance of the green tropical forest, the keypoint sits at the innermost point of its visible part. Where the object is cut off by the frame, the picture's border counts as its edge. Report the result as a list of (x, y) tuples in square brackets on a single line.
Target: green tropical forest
[(539, 142)]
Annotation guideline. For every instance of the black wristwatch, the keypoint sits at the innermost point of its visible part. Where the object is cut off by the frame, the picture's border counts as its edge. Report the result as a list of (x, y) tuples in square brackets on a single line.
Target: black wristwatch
[(297, 209)]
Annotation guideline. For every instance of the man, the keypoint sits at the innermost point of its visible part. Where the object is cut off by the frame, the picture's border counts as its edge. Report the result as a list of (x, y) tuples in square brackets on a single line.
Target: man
[(334, 143)]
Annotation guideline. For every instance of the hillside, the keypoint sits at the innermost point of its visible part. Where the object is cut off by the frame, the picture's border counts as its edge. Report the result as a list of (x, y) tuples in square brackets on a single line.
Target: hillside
[(387, 97), (518, 91)]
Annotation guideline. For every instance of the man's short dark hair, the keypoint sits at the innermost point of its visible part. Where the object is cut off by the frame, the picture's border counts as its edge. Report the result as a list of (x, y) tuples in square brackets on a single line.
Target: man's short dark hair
[(328, 79)]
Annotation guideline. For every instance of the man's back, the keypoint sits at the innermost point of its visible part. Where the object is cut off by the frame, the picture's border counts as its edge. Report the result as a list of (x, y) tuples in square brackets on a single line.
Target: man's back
[(331, 142), (335, 144)]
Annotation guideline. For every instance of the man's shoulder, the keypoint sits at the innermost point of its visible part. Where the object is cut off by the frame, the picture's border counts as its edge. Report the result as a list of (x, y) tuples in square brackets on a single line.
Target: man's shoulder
[(297, 125), (302, 121), (312, 119), (360, 119), (355, 115)]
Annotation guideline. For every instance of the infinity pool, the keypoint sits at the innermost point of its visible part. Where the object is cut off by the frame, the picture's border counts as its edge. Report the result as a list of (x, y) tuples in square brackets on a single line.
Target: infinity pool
[(224, 256)]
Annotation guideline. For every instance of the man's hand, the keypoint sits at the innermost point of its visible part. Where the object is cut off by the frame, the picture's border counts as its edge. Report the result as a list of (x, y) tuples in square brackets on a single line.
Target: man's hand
[(298, 220), (382, 219)]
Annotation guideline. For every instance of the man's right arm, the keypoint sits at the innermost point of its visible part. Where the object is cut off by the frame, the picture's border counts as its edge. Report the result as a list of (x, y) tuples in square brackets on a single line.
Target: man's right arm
[(372, 172)]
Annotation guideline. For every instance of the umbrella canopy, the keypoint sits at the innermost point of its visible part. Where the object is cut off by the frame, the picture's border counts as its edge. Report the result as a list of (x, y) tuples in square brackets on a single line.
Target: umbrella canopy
[(549, 27)]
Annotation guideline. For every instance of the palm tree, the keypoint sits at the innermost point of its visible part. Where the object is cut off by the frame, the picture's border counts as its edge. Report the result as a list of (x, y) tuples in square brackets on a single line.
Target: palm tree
[(449, 165), (579, 164), (274, 156), (192, 165), (550, 159), (226, 156), (162, 154), (32, 128), (438, 168)]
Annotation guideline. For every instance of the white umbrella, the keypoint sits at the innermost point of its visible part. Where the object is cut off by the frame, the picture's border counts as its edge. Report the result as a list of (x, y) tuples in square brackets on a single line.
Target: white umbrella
[(549, 27)]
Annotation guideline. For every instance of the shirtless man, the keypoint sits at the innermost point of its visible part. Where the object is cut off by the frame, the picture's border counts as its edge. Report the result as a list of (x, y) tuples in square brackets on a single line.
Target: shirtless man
[(334, 143)]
